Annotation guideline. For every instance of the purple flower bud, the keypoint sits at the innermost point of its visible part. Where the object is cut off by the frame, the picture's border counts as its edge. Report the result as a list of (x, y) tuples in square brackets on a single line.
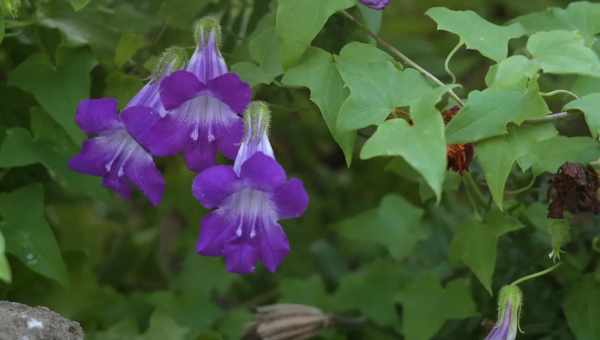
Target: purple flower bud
[(112, 153), (509, 309), (248, 200), (375, 4), (204, 105)]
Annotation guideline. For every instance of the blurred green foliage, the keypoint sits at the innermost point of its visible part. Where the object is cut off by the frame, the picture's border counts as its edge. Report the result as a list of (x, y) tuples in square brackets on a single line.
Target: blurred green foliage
[(375, 241)]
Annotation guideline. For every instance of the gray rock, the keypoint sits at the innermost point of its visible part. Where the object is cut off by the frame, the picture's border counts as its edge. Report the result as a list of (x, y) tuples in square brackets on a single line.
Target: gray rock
[(21, 322)]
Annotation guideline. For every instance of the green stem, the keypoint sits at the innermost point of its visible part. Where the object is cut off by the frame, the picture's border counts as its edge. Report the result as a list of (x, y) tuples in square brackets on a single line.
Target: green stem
[(535, 275), (555, 92), (403, 57), (449, 57), (471, 184), (548, 118), (522, 190)]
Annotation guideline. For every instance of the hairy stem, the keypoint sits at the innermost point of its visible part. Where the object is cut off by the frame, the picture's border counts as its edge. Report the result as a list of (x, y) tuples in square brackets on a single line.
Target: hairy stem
[(535, 275), (406, 60), (548, 118)]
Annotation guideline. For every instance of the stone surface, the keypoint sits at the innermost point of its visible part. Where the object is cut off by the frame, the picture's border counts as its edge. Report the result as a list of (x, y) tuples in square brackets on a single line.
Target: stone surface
[(21, 322)]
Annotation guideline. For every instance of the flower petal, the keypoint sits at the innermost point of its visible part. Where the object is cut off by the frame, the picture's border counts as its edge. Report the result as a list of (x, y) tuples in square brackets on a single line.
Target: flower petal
[(207, 62), (231, 90), (118, 185), (241, 257), (141, 170), (96, 115), (263, 172), (229, 138), (200, 155), (178, 88), (161, 136), (149, 96), (291, 199), (214, 231), (273, 246), (213, 185), (95, 154)]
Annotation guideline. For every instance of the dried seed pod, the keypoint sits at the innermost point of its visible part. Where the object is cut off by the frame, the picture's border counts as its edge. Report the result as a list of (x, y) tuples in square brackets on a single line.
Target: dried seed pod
[(287, 322)]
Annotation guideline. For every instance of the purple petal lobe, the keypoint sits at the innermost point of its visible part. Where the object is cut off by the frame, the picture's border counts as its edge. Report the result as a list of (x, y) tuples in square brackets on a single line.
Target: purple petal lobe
[(273, 245), (162, 136), (96, 115), (231, 90), (118, 185), (241, 257), (290, 199), (149, 96), (375, 4), (229, 138), (263, 172), (212, 186), (214, 231), (140, 170), (178, 88), (95, 155), (199, 155)]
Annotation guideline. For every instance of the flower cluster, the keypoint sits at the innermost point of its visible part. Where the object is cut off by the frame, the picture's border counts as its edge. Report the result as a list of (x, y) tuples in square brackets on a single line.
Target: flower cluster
[(198, 111)]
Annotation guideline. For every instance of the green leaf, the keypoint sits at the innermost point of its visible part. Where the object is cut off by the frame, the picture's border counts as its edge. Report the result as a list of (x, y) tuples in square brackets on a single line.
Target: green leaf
[(489, 39), (395, 224), (498, 155), (307, 291), (21, 149), (422, 145), (585, 85), (590, 106), (58, 88), (318, 72), (28, 235), (369, 290), (514, 72), (486, 113), (298, 23), (122, 86), (582, 307), (182, 13), (372, 18), (549, 155), (357, 52), (164, 327), (376, 89), (79, 4), (581, 16), (563, 52), (251, 73), (475, 244), (128, 45), (5, 273), (427, 306)]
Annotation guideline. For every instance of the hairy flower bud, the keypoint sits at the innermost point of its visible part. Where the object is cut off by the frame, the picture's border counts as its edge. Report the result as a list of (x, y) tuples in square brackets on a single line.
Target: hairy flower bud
[(204, 27), (509, 310), (172, 59), (257, 119), (287, 322)]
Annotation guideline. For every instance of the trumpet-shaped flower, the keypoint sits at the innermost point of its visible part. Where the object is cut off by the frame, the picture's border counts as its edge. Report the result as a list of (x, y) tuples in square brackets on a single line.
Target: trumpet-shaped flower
[(112, 153), (248, 200), (509, 310), (204, 105)]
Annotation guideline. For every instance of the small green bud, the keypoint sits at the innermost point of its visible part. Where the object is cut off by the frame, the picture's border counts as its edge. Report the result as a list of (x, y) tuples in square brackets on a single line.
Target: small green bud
[(257, 120), (204, 27), (172, 59)]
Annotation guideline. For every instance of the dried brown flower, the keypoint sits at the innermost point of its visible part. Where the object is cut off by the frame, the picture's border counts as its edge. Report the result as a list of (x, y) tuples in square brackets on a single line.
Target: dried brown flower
[(574, 188), (460, 156)]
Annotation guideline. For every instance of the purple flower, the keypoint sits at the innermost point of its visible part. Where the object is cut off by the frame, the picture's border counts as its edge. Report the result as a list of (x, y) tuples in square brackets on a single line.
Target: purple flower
[(112, 153), (508, 314), (375, 4), (204, 105), (248, 200)]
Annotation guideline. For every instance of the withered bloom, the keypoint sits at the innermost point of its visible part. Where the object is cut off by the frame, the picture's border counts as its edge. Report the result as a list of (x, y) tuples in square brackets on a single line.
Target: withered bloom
[(287, 322), (573, 188), (459, 155)]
